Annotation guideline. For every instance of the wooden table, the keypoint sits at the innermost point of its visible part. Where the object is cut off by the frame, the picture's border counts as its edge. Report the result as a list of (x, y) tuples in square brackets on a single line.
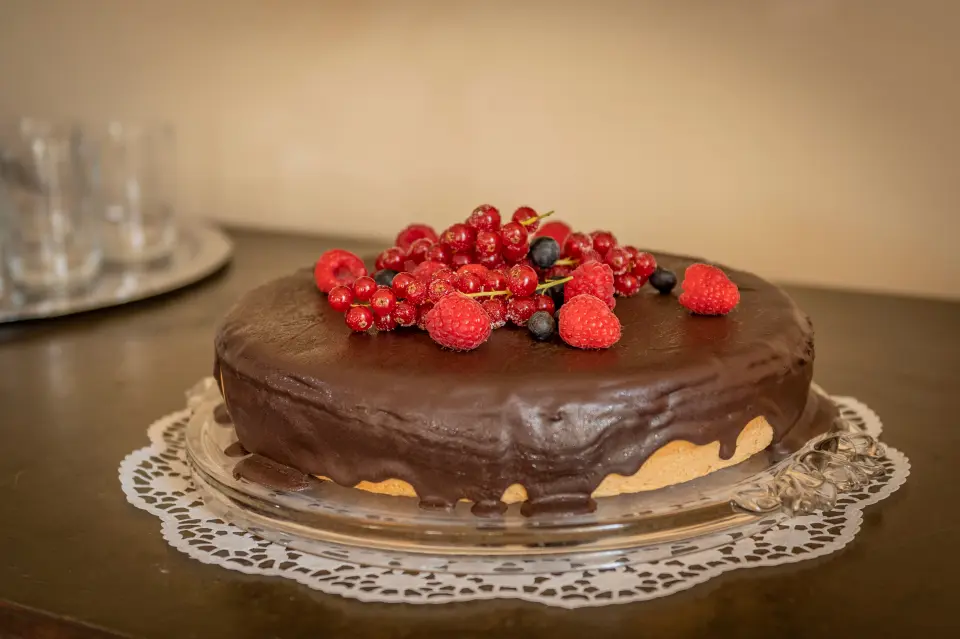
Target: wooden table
[(76, 560)]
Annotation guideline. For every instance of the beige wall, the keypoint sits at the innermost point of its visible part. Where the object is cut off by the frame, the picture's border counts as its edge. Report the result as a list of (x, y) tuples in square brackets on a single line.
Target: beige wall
[(809, 140)]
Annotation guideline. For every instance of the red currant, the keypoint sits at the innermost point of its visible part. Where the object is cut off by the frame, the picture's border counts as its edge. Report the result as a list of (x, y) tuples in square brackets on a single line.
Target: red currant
[(418, 250), (496, 308), (340, 298), (633, 251), (416, 292), (576, 244), (590, 255), (359, 319), (522, 280), (544, 303), (384, 322), (414, 232), (643, 267), (400, 283), (484, 218), (439, 253), (405, 314), (520, 309), (461, 259), (459, 237), (496, 281), (438, 289), (469, 283), (364, 288), (555, 273), (513, 254), (425, 270), (422, 311), (626, 284), (383, 301), (393, 259), (490, 261), (603, 241), (513, 234), (477, 269), (526, 213), (445, 274), (488, 243), (619, 260)]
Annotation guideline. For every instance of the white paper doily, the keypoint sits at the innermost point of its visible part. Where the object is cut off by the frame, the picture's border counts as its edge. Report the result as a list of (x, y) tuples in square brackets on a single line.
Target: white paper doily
[(156, 478)]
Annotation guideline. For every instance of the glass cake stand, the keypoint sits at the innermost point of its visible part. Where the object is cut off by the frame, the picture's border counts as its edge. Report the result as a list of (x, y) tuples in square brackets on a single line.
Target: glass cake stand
[(379, 530)]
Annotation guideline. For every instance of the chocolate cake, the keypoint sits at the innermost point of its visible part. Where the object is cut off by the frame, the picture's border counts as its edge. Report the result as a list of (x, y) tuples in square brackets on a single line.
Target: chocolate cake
[(518, 420)]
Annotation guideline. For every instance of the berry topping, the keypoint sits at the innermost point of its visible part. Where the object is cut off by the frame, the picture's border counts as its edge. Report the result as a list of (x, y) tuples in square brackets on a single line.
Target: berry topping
[(626, 284), (576, 245), (708, 291), (459, 237), (459, 323), (490, 261), (541, 325), (644, 265), (590, 255), (340, 298), (544, 252), (520, 309), (513, 234), (445, 274), (414, 232), (618, 259), (594, 279), (422, 311), (557, 230), (633, 251), (663, 280), (400, 283), (587, 322), (527, 217), (603, 241), (418, 250), (438, 289), (425, 270), (439, 253), (461, 259), (359, 319), (522, 280), (477, 269), (545, 302), (556, 293), (405, 314), (337, 267), (384, 277), (384, 322), (488, 243), (513, 254), (469, 282), (364, 288), (484, 218), (496, 309), (496, 281), (559, 272), (393, 258), (382, 302), (415, 292)]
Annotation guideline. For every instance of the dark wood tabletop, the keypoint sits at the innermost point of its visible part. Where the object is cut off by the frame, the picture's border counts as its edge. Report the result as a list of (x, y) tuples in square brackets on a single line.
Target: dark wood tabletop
[(76, 560)]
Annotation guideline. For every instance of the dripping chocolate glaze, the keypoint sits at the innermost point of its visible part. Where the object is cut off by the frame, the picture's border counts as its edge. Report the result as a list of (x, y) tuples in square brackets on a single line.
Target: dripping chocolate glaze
[(305, 392)]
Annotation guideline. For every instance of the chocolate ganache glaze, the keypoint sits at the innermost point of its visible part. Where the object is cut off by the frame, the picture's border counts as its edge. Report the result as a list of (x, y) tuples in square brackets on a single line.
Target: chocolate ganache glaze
[(304, 391)]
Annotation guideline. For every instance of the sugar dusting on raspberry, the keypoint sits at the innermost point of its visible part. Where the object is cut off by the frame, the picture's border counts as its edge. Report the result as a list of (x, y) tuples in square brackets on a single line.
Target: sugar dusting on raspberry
[(458, 322), (587, 322), (708, 291)]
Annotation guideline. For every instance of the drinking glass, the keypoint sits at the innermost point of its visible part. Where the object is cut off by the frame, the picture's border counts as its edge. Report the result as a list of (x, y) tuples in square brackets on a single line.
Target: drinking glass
[(50, 233), (137, 172)]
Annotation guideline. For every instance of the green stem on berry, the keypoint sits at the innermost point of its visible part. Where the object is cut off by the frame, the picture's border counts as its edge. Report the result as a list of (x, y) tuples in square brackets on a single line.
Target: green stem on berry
[(567, 261), (540, 287), (487, 293), (534, 220), (550, 283)]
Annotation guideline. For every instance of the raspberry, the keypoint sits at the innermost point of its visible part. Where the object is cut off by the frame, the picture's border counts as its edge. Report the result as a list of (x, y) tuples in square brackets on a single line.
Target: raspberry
[(576, 244), (425, 270), (525, 213), (522, 280), (359, 319), (469, 283), (513, 234), (644, 265), (488, 243), (521, 309), (626, 284), (484, 218), (708, 291), (587, 322), (439, 253), (414, 232), (513, 254), (384, 323), (340, 298), (496, 308), (364, 288), (382, 302), (459, 237), (603, 241), (459, 323), (337, 267), (594, 279), (422, 311), (618, 259), (438, 289), (557, 230), (418, 250), (544, 303), (405, 314), (393, 259)]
